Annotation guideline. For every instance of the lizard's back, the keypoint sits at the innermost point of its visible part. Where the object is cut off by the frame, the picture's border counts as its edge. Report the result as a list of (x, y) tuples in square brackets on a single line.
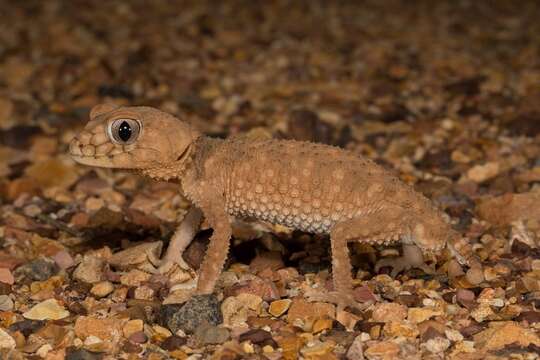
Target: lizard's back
[(306, 186)]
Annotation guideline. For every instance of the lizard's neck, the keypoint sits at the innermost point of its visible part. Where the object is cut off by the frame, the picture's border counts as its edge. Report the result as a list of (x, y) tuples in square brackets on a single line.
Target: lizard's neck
[(175, 170)]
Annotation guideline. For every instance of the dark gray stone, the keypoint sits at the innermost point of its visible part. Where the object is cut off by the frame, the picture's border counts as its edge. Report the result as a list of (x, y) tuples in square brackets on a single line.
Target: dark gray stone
[(37, 270), (198, 310)]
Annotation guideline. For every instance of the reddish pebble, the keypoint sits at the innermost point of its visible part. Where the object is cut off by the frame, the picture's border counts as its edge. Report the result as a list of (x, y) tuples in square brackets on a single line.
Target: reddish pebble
[(63, 259), (139, 337), (6, 276)]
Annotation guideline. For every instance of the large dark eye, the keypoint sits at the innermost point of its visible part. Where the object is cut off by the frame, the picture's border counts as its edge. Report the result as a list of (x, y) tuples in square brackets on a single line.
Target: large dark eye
[(124, 131)]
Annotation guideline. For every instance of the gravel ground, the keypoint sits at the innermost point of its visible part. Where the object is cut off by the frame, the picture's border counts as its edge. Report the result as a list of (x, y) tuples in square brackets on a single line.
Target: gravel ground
[(447, 94)]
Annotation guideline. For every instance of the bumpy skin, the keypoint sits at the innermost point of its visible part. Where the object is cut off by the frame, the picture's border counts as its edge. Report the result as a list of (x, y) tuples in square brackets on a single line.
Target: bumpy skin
[(310, 187)]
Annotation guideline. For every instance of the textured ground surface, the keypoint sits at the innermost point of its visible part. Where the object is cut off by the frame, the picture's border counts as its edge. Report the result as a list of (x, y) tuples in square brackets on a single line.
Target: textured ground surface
[(447, 96)]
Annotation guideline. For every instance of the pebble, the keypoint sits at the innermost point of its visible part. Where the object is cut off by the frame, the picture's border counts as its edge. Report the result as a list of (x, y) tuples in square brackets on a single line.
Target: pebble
[(132, 326), (138, 337), (6, 304), (108, 331), (26, 327), (6, 276), (81, 354), (356, 351), (47, 310), (389, 312), (500, 334), (134, 277), (303, 310), (383, 350), (437, 345), (418, 315), (256, 336), (481, 173), (6, 341), (466, 298), (63, 259), (37, 270), (187, 317), (173, 343), (102, 289), (279, 307), (90, 270), (235, 309), (210, 334)]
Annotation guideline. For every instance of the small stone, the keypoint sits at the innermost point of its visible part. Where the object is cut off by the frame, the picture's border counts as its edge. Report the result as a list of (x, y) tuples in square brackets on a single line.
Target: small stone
[(136, 255), (389, 312), (505, 209), (531, 317), (318, 350), (144, 293), (383, 350), (44, 350), (6, 341), (6, 304), (322, 324), (134, 277), (500, 334), (131, 347), (173, 343), (26, 327), (73, 353), (356, 351), (437, 345), (197, 310), (466, 298), (6, 276), (90, 270), (418, 315), (279, 307), (63, 259), (482, 312), (108, 331), (481, 173), (303, 310), (47, 310), (138, 337), (132, 326), (5, 289), (37, 270), (395, 329), (453, 335), (236, 309), (347, 319), (256, 336), (209, 334), (102, 289)]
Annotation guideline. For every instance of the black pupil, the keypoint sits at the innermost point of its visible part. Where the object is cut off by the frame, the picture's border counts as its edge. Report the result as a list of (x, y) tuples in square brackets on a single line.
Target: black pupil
[(124, 131)]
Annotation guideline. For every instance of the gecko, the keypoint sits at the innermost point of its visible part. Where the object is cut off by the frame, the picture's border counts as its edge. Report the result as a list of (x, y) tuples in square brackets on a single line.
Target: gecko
[(311, 187)]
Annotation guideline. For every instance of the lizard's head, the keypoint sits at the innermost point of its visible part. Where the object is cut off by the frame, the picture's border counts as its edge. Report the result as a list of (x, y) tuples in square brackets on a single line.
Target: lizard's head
[(140, 138)]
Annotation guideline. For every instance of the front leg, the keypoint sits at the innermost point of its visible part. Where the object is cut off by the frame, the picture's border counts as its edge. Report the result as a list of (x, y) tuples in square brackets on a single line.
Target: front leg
[(217, 250), (182, 237)]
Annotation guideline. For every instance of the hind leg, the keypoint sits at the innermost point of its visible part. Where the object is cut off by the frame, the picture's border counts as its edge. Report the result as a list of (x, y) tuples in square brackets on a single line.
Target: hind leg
[(384, 227)]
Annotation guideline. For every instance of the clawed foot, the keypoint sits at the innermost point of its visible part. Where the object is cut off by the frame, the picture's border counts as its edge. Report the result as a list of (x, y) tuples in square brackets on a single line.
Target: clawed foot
[(401, 264), (412, 258), (342, 300)]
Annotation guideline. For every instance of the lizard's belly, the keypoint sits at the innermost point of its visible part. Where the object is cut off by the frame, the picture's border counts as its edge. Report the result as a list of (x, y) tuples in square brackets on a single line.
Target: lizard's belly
[(294, 217)]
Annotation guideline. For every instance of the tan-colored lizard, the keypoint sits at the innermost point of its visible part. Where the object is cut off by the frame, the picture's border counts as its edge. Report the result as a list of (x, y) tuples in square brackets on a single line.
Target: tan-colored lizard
[(311, 187)]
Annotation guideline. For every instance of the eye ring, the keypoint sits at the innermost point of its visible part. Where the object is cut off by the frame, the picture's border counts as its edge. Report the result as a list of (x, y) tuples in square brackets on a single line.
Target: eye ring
[(124, 131)]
